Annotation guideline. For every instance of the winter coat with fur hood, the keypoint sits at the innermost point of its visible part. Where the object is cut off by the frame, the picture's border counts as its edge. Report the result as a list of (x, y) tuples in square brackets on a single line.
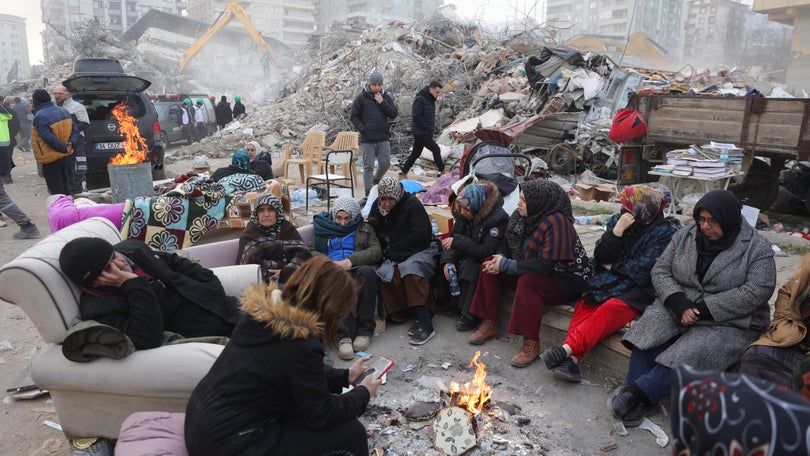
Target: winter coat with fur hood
[(475, 240), (271, 372)]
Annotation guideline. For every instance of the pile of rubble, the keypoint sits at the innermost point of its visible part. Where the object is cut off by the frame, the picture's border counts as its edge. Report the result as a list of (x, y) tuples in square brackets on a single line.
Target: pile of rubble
[(488, 84)]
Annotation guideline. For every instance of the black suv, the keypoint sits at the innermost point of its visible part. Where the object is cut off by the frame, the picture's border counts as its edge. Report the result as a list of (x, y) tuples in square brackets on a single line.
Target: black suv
[(100, 85)]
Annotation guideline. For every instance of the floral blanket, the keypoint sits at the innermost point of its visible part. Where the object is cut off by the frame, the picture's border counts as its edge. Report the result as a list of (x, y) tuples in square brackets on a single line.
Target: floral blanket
[(178, 218)]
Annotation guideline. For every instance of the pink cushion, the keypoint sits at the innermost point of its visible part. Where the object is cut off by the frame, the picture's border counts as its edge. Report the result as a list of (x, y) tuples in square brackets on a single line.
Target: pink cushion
[(149, 433)]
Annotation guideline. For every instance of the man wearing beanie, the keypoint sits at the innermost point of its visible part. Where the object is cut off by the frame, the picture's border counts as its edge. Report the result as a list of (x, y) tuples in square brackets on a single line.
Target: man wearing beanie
[(347, 239), (53, 137), (143, 293), (238, 107), (371, 111)]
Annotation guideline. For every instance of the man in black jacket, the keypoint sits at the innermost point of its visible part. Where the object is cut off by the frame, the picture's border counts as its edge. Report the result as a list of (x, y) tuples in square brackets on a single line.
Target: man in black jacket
[(143, 293), (371, 111), (223, 112), (423, 121)]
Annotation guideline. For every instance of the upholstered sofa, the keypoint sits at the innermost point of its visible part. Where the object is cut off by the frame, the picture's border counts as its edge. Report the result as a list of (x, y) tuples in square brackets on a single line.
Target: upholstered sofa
[(92, 399), (223, 253)]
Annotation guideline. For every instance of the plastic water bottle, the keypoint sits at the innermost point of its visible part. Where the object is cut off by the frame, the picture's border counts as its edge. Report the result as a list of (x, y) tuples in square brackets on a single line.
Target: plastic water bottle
[(434, 225), (455, 290)]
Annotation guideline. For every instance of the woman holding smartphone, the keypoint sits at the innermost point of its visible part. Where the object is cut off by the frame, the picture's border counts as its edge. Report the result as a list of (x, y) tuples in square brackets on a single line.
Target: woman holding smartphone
[(269, 392)]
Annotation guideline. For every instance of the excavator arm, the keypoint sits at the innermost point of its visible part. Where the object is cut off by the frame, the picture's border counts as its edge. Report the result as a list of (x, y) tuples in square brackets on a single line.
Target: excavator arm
[(232, 9)]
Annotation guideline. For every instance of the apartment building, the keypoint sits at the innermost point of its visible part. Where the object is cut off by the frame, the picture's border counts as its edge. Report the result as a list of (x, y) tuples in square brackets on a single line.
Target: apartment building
[(13, 47), (795, 13), (60, 16)]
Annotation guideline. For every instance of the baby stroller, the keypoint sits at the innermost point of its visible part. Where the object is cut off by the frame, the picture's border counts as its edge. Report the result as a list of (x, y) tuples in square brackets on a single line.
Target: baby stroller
[(493, 161)]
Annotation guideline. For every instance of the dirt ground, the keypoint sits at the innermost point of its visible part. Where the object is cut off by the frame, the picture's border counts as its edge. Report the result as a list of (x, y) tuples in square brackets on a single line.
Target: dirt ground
[(563, 419)]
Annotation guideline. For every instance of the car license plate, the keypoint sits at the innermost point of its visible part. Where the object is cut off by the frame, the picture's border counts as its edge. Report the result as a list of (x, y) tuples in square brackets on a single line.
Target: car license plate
[(110, 146)]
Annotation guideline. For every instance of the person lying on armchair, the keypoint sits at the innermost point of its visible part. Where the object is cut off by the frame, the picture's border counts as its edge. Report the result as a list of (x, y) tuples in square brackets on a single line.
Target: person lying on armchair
[(142, 292)]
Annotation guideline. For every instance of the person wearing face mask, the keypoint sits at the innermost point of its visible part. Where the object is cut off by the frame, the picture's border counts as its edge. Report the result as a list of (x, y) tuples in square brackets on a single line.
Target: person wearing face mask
[(409, 252), (271, 241), (712, 285), (621, 287), (349, 241)]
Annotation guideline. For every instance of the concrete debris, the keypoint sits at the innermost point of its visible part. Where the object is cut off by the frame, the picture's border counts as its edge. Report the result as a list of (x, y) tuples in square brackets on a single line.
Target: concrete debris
[(661, 437)]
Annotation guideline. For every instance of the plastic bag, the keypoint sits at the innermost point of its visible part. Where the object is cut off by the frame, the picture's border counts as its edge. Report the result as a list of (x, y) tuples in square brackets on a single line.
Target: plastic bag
[(627, 126)]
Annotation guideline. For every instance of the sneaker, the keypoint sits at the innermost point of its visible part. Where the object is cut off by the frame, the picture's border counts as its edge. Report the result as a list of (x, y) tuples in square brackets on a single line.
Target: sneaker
[(345, 349), (567, 371), (28, 231), (625, 400), (421, 336), (636, 415), (465, 323), (553, 357), (361, 343), (412, 329), (397, 318)]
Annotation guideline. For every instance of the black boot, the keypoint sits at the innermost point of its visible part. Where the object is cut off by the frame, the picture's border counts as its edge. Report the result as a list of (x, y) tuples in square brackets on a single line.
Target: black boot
[(627, 398)]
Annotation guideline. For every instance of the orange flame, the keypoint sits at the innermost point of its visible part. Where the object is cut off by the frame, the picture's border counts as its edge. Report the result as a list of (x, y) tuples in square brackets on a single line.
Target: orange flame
[(134, 145), (473, 395)]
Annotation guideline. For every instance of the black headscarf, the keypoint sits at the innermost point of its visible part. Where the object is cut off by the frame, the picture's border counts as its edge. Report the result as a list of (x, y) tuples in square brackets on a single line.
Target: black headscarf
[(725, 208), (543, 198)]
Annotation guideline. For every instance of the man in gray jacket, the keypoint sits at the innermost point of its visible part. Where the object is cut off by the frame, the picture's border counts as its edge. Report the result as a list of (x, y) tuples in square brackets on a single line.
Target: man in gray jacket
[(371, 111)]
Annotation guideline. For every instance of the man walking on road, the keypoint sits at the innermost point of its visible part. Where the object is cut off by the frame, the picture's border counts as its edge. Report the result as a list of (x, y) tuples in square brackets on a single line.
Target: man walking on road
[(423, 122), (371, 111)]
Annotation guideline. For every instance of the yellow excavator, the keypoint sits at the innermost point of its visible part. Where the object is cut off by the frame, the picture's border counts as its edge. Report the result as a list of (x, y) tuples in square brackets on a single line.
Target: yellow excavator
[(232, 9)]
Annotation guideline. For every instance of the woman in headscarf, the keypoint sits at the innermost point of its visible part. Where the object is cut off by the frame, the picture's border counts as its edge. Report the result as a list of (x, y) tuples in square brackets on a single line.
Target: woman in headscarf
[(269, 393), (349, 241), (543, 259), (408, 251), (479, 226), (622, 287), (712, 287), (260, 161), (240, 164), (270, 241)]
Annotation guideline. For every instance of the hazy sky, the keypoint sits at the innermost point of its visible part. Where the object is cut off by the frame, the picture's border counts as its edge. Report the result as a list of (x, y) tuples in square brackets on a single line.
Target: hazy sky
[(488, 11)]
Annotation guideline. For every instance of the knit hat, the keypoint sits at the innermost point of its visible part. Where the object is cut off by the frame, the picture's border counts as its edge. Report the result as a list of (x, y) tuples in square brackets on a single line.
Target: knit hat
[(40, 96), (472, 197), (187, 102), (375, 78), (82, 259), (237, 98), (346, 204)]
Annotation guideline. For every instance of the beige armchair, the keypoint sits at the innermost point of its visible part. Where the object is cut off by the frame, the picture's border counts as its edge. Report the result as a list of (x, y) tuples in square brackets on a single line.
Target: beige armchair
[(93, 399)]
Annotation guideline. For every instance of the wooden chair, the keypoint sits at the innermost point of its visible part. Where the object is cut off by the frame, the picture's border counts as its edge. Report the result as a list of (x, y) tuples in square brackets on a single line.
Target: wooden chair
[(345, 140), (311, 150)]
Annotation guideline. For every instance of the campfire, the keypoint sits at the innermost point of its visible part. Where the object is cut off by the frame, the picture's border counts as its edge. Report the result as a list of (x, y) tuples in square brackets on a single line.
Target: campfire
[(134, 145), (455, 425), (472, 395)]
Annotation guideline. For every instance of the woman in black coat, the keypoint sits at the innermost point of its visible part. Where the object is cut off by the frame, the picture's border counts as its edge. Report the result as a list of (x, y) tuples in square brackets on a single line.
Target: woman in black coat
[(479, 226), (269, 392)]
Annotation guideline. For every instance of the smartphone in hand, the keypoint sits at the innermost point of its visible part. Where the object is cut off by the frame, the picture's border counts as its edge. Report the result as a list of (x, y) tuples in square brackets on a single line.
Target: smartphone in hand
[(377, 367)]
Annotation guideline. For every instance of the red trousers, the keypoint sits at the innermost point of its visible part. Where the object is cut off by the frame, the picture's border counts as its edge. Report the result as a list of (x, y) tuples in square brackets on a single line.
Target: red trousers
[(590, 324), (532, 292)]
